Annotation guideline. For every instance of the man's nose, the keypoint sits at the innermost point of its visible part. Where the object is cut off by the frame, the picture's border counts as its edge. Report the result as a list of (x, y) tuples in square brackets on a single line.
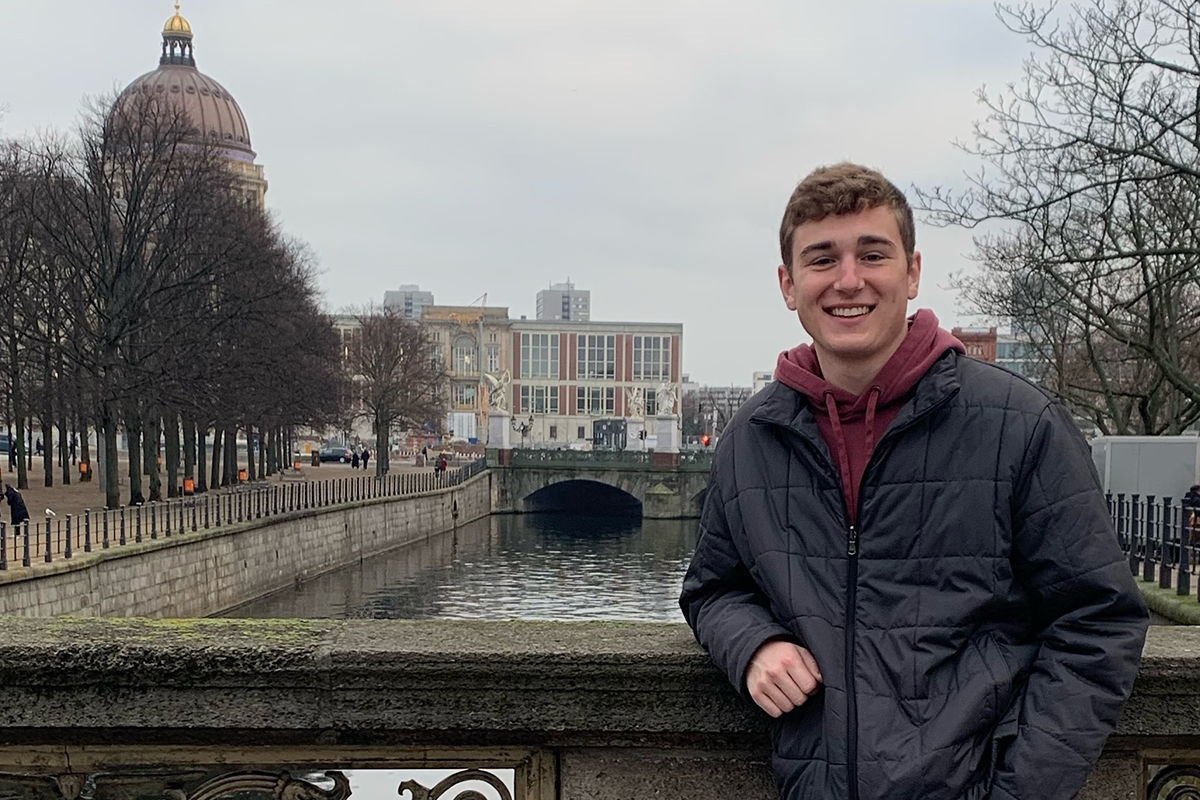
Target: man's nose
[(849, 275)]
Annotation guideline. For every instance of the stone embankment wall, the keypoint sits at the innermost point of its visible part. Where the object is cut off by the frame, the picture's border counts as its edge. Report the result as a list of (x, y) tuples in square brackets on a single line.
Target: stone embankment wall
[(207, 572)]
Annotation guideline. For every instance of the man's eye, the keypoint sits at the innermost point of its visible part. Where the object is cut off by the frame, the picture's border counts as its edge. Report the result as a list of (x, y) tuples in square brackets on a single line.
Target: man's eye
[(874, 257)]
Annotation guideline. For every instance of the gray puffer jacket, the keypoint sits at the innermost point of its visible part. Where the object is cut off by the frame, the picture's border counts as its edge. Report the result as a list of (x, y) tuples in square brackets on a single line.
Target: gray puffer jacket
[(979, 638)]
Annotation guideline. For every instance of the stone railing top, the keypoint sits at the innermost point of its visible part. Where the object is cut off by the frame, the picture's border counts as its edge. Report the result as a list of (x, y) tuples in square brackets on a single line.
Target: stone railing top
[(604, 459), (436, 681)]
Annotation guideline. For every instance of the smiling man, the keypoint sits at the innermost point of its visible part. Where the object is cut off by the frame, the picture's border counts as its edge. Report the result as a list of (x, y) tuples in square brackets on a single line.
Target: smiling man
[(905, 557)]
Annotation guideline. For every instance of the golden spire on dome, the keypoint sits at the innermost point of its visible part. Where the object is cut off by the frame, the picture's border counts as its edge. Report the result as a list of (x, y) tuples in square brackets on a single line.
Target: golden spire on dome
[(177, 25)]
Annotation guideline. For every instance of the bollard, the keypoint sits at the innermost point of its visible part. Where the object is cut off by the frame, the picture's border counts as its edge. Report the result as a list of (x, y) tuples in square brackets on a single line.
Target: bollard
[(1148, 527), (1167, 546), (70, 534), (49, 554), (25, 562), (87, 530)]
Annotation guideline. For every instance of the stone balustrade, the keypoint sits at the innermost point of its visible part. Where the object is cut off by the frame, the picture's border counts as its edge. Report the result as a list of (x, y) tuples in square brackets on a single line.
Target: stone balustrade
[(190, 708)]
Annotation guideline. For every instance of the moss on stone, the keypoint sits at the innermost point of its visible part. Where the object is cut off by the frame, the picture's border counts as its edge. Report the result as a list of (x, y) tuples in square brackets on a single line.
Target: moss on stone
[(1164, 602)]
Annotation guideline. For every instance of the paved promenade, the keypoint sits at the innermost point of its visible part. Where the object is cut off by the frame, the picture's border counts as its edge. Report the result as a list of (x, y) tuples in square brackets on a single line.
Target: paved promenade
[(73, 500)]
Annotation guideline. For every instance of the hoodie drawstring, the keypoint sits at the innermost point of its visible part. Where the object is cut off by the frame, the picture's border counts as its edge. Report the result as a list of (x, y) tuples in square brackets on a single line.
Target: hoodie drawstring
[(872, 401), (843, 455)]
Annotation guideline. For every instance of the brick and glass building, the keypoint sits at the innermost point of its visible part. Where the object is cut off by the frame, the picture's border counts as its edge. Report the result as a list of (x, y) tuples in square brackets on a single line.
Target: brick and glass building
[(572, 380)]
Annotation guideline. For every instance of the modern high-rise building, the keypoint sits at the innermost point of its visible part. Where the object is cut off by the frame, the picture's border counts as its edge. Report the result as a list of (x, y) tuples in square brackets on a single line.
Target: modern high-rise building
[(562, 301), (410, 298)]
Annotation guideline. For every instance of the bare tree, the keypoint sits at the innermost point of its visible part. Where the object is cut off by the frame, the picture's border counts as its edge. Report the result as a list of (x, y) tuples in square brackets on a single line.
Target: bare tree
[(396, 369), (1089, 199)]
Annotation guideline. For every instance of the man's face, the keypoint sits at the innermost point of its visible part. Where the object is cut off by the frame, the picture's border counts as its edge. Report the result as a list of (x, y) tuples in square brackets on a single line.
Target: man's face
[(850, 284)]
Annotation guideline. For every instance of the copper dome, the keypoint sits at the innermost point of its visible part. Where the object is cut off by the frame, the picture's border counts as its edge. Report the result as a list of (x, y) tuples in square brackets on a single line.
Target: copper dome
[(208, 104)]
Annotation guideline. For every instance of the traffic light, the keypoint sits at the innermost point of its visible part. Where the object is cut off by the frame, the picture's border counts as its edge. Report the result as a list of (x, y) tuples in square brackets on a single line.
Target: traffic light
[(642, 433), (705, 439)]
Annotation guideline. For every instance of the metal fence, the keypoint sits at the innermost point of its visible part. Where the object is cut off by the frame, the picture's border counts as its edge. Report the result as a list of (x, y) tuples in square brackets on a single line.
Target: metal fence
[(1160, 537), (66, 536)]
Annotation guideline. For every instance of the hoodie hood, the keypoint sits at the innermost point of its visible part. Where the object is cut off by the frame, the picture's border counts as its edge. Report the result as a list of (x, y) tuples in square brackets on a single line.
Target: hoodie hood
[(851, 424)]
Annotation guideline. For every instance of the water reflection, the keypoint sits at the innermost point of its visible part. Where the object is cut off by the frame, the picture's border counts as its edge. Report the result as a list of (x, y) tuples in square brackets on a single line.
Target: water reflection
[(534, 566)]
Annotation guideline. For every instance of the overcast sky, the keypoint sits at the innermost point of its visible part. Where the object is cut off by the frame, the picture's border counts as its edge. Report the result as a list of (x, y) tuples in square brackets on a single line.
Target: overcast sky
[(642, 148)]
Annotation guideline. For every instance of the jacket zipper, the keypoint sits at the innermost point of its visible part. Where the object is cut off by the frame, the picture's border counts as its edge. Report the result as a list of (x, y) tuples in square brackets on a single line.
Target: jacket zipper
[(852, 541), (851, 695)]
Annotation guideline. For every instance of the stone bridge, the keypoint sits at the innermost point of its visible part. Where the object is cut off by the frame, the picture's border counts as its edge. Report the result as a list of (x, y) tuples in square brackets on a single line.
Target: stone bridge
[(569, 480)]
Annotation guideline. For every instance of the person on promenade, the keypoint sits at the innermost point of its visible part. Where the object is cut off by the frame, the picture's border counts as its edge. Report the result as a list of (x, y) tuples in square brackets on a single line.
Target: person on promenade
[(354, 460), (16, 505), (1191, 512), (366, 456), (905, 557)]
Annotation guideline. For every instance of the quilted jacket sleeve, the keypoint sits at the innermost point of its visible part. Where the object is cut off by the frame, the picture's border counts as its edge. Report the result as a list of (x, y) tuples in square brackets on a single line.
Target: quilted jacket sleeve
[(725, 607), (1092, 617)]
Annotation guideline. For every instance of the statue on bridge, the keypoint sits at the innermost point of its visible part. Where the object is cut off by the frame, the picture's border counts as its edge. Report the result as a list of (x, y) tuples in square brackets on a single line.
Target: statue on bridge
[(665, 398), (637, 402), (498, 391)]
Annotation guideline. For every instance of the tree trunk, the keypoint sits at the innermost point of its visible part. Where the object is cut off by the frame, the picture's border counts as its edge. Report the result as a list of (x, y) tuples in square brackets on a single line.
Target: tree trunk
[(250, 465), (153, 451), (112, 462), (133, 432), (171, 437), (229, 468), (201, 437), (18, 404), (189, 449), (215, 475), (262, 452)]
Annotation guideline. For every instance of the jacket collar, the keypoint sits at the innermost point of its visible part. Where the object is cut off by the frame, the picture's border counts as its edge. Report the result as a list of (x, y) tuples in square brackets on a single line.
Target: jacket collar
[(787, 408)]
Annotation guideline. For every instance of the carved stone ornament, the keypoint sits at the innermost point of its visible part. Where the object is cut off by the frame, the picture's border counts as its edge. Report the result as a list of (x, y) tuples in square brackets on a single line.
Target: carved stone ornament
[(442, 789), (665, 399), (498, 391)]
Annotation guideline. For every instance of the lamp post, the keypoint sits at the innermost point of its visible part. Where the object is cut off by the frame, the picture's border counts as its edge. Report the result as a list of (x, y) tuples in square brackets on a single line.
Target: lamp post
[(524, 428)]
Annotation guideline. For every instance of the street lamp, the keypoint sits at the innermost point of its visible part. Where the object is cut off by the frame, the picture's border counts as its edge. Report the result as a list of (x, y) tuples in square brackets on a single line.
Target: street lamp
[(525, 427)]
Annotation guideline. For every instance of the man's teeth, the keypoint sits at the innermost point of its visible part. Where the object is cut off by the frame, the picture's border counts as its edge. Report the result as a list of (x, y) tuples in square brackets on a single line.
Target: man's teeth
[(858, 311)]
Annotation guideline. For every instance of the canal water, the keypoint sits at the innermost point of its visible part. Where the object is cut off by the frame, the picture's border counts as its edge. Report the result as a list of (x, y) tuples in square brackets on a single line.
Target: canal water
[(528, 566)]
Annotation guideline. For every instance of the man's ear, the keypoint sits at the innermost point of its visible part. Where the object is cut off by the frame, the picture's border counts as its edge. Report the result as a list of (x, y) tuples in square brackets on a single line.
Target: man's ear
[(914, 275), (787, 287)]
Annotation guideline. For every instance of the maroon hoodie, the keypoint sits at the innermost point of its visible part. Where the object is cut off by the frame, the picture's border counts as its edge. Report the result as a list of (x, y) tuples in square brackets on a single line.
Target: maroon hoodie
[(852, 425)]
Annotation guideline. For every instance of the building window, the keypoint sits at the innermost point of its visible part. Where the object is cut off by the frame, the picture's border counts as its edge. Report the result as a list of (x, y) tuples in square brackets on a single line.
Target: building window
[(651, 402), (553, 432), (595, 400), (539, 355), (581, 432), (463, 396), (539, 399), (597, 357), (492, 338), (652, 358), (493, 357), (465, 359)]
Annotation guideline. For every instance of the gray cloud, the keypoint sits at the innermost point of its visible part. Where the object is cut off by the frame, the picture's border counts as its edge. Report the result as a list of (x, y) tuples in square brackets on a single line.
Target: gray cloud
[(643, 149)]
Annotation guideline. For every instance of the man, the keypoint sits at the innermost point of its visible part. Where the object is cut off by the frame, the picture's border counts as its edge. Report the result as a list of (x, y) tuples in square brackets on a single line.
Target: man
[(905, 557)]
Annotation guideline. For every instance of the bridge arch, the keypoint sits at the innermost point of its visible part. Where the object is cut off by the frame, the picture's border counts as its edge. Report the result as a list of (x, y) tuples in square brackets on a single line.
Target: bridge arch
[(583, 495)]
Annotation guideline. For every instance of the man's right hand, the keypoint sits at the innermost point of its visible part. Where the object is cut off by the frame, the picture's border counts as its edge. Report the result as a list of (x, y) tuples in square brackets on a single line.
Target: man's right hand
[(781, 676)]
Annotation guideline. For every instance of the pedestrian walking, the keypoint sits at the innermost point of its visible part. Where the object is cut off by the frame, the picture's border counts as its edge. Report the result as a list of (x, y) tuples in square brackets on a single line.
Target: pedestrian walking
[(16, 505), (905, 557), (366, 456), (38, 447), (354, 460), (1191, 513)]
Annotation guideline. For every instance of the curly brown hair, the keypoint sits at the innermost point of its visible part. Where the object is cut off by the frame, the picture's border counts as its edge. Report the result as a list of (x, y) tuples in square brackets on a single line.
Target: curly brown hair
[(844, 188)]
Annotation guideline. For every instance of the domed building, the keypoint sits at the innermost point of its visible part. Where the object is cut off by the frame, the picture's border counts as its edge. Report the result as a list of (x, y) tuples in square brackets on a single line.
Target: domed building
[(208, 104)]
